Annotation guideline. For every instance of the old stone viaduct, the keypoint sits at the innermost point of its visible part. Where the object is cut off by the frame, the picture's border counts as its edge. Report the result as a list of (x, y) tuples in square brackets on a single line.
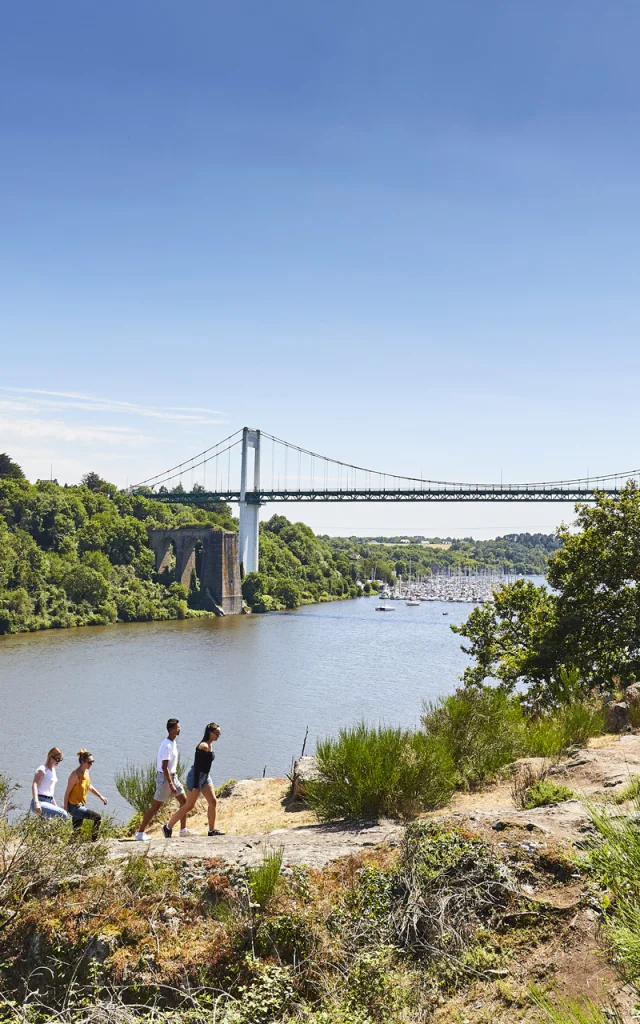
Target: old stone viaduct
[(219, 566)]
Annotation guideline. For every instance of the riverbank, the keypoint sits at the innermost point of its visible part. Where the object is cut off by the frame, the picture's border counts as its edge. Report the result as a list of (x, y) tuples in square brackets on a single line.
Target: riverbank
[(596, 772), (462, 916)]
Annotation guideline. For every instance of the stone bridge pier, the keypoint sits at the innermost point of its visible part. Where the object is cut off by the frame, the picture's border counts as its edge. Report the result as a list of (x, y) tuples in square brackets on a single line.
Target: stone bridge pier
[(220, 584)]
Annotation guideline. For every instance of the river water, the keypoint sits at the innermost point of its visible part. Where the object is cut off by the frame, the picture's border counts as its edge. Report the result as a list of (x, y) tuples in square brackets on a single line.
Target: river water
[(264, 678)]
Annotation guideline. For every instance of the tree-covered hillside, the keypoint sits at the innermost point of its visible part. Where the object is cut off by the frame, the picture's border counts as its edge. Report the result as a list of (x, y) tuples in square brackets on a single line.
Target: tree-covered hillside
[(79, 555), (73, 556), (296, 567), (522, 553)]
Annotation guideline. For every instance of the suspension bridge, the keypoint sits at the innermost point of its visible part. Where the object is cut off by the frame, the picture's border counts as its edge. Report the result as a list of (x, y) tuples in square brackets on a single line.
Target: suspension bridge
[(282, 471)]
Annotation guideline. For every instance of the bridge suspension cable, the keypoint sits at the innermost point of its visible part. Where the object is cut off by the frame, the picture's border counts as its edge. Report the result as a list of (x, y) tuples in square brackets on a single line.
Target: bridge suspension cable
[(190, 464), (296, 470)]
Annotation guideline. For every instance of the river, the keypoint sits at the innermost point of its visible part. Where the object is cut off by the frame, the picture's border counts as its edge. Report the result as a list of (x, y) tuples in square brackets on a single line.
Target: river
[(264, 678)]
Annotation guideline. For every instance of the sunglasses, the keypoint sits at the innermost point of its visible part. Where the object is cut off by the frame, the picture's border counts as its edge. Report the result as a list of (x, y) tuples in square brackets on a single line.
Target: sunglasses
[(90, 762), (58, 759)]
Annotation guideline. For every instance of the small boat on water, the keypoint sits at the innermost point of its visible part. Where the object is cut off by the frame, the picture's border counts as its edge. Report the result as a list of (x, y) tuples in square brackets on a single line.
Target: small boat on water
[(385, 608), (412, 602)]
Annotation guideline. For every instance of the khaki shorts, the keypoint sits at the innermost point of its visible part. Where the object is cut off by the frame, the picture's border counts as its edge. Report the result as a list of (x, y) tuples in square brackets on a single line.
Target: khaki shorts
[(163, 793)]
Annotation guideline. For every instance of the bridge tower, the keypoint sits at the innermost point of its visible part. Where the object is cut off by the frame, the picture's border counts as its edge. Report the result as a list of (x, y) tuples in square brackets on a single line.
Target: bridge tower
[(249, 503)]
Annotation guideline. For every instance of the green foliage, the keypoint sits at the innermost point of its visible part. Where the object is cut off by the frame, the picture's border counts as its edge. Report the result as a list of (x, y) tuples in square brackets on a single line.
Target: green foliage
[(523, 553), (629, 792), (483, 729), (296, 567), (371, 772), (571, 1011), (589, 620), (263, 879), (550, 733), (72, 556), (544, 792), (264, 999), (137, 783), (34, 859), (9, 468), (146, 876)]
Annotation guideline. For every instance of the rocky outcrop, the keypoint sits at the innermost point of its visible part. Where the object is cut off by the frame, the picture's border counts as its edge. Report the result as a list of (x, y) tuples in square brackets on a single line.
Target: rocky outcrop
[(632, 695), (313, 845), (305, 770), (617, 716)]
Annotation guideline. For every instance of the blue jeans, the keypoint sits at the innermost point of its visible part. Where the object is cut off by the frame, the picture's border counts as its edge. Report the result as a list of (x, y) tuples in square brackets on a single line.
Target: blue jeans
[(49, 809), (80, 813)]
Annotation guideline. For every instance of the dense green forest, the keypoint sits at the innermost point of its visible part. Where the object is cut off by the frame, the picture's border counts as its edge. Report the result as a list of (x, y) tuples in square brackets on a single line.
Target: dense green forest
[(521, 553), (79, 555)]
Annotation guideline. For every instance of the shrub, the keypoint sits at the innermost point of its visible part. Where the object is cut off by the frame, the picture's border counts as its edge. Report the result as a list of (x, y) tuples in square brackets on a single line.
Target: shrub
[(137, 784), (36, 855), (372, 772), (544, 792), (550, 734), (447, 886), (615, 862), (263, 879), (483, 729)]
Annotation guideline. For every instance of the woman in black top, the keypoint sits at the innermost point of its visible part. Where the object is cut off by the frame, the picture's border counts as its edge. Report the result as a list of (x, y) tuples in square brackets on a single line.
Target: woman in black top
[(199, 781)]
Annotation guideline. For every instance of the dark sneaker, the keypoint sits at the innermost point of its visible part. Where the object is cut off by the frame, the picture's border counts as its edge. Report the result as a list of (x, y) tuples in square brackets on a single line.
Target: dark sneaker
[(168, 832), (215, 832)]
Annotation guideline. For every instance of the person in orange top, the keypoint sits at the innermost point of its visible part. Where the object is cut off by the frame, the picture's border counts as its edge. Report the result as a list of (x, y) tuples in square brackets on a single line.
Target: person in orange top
[(75, 797)]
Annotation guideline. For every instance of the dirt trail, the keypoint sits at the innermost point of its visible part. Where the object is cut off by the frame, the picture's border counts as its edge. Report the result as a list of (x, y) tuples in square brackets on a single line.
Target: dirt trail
[(257, 815)]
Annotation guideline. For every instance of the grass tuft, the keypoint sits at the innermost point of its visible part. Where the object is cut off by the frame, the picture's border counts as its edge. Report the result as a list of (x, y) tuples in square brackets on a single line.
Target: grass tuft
[(544, 792), (571, 1011), (264, 879), (629, 792)]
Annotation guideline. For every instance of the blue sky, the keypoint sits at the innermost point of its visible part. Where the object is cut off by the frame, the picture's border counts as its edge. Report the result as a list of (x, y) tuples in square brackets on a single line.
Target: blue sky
[(405, 235)]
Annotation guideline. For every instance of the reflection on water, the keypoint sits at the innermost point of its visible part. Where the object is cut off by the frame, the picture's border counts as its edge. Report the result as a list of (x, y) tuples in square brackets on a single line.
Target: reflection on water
[(264, 678)]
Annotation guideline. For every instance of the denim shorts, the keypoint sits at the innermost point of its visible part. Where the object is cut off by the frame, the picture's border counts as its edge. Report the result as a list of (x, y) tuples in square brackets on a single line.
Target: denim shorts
[(203, 780)]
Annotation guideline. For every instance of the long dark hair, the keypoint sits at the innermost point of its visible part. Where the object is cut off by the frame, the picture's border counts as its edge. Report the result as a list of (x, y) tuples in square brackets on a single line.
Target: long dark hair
[(211, 727)]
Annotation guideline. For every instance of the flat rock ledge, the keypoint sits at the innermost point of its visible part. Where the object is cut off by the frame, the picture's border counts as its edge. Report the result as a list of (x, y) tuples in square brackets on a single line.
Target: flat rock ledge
[(313, 846)]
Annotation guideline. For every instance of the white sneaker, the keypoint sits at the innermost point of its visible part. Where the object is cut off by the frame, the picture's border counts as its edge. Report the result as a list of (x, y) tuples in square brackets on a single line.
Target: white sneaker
[(142, 837), (187, 832)]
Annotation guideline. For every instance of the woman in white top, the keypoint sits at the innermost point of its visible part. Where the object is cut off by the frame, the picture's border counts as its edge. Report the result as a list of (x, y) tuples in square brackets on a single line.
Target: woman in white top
[(44, 783)]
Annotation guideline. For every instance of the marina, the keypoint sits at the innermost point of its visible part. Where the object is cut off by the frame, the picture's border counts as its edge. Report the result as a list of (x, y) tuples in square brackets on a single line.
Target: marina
[(469, 587)]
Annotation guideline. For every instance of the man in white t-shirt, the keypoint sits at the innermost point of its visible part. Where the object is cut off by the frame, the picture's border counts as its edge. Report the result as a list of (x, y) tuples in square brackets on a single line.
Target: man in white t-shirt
[(167, 782)]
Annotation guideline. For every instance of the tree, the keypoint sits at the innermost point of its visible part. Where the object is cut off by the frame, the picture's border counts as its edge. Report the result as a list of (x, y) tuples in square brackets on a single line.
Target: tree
[(590, 621), (95, 482), (9, 468), (287, 591)]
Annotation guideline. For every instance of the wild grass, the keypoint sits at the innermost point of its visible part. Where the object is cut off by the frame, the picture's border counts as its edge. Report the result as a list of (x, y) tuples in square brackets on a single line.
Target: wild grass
[(368, 772), (615, 861), (263, 879), (544, 792), (137, 784), (552, 733), (629, 792), (571, 1011)]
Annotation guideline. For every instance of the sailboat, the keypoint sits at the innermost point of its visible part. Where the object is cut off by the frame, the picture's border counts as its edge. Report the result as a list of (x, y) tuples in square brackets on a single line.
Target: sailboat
[(412, 598)]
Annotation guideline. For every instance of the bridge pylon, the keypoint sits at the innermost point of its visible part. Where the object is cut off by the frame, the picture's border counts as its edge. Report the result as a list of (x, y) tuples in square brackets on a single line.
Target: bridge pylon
[(249, 538)]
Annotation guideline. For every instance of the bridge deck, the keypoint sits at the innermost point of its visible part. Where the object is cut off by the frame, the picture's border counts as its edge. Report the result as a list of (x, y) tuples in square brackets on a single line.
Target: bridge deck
[(479, 493)]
